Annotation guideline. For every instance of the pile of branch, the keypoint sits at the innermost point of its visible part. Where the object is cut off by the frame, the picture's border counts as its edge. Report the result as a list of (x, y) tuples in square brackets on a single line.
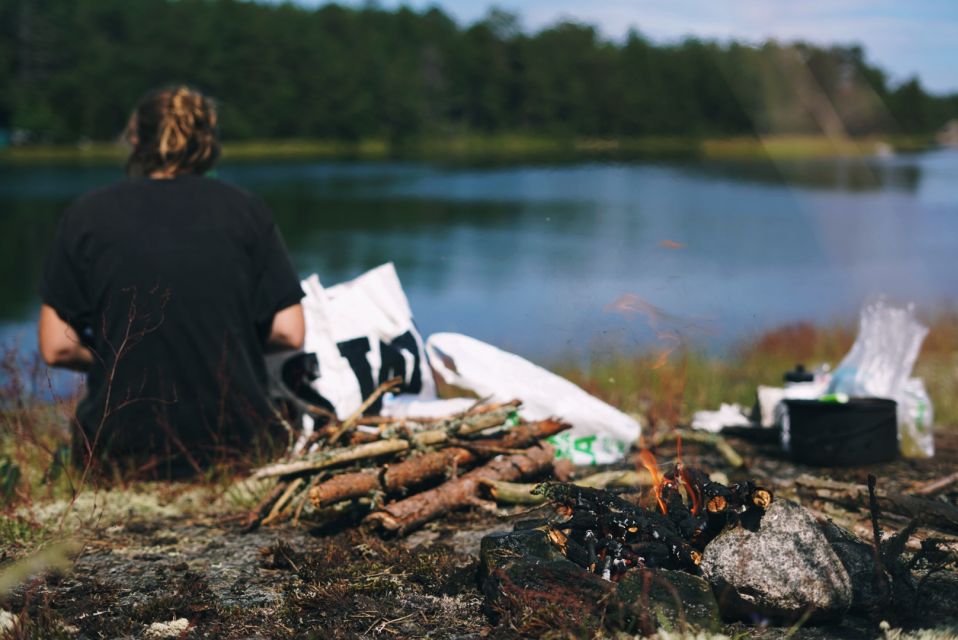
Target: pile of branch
[(400, 474)]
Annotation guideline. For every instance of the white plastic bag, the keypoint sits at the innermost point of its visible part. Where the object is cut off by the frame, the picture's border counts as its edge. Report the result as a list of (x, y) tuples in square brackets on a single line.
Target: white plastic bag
[(884, 353), (600, 433), (879, 365), (362, 334), (915, 418)]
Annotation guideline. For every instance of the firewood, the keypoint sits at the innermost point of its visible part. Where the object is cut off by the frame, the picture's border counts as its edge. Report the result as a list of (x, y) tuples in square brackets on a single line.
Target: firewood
[(283, 500), (521, 493), (391, 478), (257, 513), (934, 487), (337, 457), (479, 408), (932, 513), (405, 515), (430, 465), (350, 422)]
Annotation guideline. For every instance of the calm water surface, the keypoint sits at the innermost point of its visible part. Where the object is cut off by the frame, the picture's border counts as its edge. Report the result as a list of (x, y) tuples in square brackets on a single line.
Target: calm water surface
[(577, 259)]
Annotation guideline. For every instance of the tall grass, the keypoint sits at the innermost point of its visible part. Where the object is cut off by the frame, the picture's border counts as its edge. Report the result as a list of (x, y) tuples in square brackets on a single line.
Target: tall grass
[(500, 147), (34, 430), (670, 389)]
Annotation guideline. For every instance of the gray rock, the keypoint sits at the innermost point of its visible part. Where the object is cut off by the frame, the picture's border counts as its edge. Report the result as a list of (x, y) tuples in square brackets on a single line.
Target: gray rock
[(674, 598), (784, 570)]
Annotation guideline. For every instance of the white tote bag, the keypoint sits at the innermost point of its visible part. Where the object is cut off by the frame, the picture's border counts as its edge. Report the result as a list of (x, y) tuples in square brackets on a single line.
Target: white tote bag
[(362, 334)]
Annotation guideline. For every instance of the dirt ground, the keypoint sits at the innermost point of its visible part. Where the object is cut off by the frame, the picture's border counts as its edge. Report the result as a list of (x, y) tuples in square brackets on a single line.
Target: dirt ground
[(346, 582)]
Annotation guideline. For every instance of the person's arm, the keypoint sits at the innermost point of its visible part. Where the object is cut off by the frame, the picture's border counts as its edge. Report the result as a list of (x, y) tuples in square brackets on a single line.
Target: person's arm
[(60, 345), (288, 330)]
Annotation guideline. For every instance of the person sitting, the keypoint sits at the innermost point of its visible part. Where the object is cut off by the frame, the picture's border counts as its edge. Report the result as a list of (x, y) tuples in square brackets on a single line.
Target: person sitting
[(166, 289)]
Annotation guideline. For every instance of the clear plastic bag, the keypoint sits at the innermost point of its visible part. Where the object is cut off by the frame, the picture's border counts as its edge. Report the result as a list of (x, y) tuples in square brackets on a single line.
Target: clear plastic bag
[(879, 365), (884, 353), (915, 418)]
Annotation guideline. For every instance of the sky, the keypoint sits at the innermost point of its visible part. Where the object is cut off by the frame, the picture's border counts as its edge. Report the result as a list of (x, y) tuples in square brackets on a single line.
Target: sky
[(903, 37)]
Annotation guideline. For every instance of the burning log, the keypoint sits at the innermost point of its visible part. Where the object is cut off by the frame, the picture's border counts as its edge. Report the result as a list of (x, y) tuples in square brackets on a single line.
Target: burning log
[(616, 534), (609, 535), (405, 515), (394, 478)]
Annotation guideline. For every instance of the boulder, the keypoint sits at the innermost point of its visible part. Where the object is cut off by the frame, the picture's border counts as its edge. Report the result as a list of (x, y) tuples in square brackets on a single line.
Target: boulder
[(782, 571), (535, 593), (674, 599)]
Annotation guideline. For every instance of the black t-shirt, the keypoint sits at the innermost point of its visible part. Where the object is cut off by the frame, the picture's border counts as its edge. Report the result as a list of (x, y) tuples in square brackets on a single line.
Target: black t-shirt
[(173, 284)]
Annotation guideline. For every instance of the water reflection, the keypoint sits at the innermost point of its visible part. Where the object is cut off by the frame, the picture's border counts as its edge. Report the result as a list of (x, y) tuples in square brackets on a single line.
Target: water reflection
[(531, 257)]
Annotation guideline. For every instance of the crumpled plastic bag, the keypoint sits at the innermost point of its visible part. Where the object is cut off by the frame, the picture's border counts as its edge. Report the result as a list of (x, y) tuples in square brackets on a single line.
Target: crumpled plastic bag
[(884, 353), (728, 415), (879, 365), (600, 433), (915, 417)]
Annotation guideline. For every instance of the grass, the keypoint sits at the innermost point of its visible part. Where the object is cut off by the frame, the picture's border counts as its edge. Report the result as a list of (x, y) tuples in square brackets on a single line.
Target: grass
[(808, 147), (669, 387), (499, 147), (38, 484)]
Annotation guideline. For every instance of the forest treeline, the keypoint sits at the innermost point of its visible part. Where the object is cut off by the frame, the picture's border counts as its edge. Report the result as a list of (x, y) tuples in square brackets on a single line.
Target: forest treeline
[(71, 69)]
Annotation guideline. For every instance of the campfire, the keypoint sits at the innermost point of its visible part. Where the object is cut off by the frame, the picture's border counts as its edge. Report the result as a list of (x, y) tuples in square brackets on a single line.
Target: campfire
[(673, 546), (609, 535), (692, 550)]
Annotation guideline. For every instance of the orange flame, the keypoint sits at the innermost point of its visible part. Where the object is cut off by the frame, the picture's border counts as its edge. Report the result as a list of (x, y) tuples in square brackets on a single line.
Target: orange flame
[(692, 491), (658, 480), (683, 477)]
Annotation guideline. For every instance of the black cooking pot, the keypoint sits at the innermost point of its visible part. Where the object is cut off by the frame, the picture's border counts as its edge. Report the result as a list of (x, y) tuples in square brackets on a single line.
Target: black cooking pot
[(860, 431)]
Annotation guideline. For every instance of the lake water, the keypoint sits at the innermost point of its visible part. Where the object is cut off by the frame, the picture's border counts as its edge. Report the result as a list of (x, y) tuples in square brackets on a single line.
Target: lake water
[(553, 261)]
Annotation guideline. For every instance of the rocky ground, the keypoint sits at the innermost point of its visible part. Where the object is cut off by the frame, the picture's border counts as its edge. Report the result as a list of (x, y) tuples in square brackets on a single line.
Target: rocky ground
[(181, 567)]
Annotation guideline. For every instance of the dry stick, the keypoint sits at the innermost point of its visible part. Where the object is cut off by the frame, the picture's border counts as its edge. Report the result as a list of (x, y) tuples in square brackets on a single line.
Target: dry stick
[(934, 487), (881, 584), (350, 422), (303, 498), (476, 409), (336, 457), (521, 493), (389, 426), (257, 513), (933, 513), (430, 465), (405, 515), (713, 440), (281, 502)]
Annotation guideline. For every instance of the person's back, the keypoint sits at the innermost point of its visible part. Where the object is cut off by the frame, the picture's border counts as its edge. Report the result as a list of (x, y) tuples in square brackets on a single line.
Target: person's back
[(174, 285)]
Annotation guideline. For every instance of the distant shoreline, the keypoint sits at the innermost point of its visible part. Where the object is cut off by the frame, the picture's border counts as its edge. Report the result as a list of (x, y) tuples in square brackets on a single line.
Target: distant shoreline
[(504, 147)]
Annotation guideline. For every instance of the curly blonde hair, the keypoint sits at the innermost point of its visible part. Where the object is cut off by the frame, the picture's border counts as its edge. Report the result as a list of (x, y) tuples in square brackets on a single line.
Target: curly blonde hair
[(173, 131)]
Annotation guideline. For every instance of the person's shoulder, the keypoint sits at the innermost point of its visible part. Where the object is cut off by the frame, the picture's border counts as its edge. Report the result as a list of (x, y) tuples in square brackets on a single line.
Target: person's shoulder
[(96, 201), (230, 192)]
